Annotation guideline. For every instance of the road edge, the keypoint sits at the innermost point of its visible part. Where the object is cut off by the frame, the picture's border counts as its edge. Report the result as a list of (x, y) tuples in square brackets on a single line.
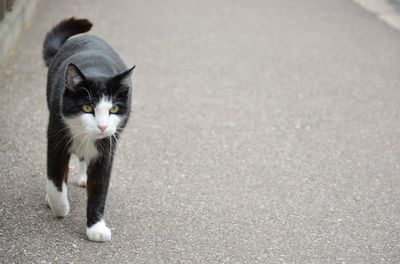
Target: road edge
[(383, 10), (13, 24)]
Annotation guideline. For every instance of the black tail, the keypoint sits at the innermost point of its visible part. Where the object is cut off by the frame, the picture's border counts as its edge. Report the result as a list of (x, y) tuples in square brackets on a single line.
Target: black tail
[(60, 33)]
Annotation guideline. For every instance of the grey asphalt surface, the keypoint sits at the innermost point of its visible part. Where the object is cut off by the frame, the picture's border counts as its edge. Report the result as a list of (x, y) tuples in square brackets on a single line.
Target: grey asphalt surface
[(262, 132)]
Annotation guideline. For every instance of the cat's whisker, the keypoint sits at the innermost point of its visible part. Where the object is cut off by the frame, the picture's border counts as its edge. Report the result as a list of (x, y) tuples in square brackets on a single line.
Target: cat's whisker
[(65, 128), (71, 139), (110, 152), (115, 137), (87, 143), (118, 92), (61, 140), (84, 139), (90, 96)]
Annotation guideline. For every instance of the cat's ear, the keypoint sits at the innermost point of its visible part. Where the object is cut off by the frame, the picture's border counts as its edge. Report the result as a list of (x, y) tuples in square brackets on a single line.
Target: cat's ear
[(73, 77), (124, 77)]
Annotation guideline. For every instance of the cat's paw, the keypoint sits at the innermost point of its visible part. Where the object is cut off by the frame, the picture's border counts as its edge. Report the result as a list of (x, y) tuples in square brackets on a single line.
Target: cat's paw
[(99, 232), (57, 200), (82, 182), (60, 210)]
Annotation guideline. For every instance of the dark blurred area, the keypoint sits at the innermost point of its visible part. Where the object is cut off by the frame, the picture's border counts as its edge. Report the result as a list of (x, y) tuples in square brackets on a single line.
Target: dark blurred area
[(5, 5)]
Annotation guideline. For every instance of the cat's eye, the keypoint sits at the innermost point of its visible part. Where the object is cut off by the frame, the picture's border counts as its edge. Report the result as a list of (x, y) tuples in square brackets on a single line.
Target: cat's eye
[(114, 109), (87, 109)]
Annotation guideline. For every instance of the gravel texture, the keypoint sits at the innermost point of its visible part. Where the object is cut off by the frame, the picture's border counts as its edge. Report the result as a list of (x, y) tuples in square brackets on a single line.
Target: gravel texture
[(262, 132)]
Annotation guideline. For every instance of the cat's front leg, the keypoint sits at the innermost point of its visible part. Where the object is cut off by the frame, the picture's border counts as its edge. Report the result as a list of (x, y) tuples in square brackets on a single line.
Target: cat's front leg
[(57, 174), (97, 187)]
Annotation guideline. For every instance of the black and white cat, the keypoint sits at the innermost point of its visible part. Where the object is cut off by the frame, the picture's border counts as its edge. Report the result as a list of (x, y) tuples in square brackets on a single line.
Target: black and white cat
[(89, 97)]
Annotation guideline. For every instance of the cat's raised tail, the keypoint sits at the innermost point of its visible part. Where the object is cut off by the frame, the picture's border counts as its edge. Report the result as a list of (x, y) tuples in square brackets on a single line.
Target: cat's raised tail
[(56, 37)]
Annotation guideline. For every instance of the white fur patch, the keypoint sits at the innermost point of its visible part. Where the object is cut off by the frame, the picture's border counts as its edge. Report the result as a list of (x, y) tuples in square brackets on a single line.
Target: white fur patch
[(99, 232), (82, 173), (58, 201)]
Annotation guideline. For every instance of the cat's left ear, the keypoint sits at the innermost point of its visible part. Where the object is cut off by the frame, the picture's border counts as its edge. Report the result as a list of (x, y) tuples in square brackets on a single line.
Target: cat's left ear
[(124, 77), (73, 77)]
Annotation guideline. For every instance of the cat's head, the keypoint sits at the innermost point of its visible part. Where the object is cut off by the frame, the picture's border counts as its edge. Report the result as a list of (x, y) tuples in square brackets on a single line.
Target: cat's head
[(96, 106)]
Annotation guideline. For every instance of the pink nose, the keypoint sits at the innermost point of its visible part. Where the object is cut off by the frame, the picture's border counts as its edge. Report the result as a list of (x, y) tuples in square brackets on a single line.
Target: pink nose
[(102, 127)]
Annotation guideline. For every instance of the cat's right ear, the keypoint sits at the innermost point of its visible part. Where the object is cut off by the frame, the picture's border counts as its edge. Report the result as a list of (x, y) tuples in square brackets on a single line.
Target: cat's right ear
[(73, 77)]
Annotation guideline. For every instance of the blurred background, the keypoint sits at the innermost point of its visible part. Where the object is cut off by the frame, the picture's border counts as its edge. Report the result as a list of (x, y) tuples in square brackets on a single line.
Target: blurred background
[(261, 132)]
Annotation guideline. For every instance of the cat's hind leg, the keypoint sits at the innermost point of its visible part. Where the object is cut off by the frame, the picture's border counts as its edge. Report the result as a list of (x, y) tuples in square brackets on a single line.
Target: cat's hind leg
[(82, 173)]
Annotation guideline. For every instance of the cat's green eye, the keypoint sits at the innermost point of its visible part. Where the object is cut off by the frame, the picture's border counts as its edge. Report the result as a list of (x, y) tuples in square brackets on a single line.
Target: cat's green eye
[(87, 109), (114, 109)]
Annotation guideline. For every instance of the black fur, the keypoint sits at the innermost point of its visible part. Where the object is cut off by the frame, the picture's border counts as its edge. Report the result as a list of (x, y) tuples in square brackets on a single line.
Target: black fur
[(82, 70), (60, 33)]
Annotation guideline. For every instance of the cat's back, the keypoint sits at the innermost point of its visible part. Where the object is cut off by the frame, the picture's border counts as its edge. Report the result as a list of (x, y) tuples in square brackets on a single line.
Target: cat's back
[(85, 49)]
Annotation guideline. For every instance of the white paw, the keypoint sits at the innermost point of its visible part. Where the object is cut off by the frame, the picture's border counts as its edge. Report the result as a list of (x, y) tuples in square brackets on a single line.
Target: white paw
[(57, 201), (99, 232), (82, 182), (60, 210)]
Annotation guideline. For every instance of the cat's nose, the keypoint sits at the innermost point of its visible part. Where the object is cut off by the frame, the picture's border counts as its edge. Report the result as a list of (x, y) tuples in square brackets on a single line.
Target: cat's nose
[(102, 127)]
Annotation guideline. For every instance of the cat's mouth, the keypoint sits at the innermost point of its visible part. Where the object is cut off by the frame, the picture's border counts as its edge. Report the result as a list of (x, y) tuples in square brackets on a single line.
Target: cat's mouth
[(104, 134)]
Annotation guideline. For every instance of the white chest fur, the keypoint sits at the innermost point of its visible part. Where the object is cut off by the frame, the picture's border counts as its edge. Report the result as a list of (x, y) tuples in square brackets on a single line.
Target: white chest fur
[(84, 147)]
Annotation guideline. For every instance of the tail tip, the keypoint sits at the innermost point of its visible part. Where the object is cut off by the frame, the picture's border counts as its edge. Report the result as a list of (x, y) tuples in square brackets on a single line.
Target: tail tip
[(82, 23), (60, 33)]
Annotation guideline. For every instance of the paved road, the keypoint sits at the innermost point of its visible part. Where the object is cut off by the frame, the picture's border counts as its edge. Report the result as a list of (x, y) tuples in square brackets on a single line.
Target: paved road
[(262, 132)]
